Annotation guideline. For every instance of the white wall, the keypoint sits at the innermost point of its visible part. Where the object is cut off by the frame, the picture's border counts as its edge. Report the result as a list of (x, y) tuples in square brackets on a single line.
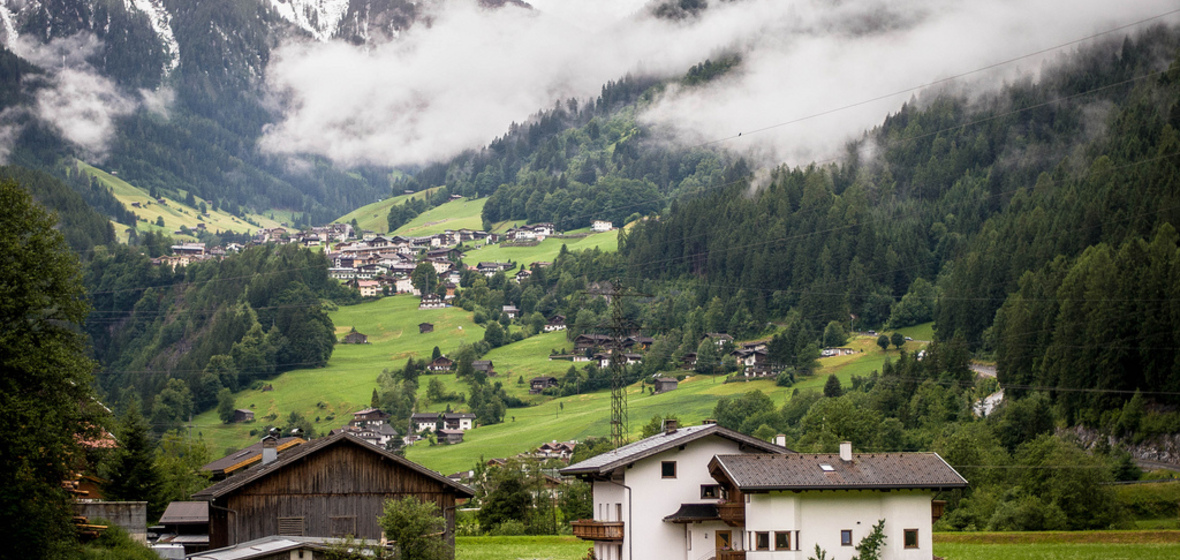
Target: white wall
[(654, 497), (820, 516)]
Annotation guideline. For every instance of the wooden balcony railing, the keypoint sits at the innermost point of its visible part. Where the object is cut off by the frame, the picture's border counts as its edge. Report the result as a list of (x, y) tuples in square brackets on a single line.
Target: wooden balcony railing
[(598, 530), (731, 555), (733, 514)]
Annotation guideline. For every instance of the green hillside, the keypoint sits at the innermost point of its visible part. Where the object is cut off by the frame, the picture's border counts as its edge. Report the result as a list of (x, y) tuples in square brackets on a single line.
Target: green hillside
[(546, 250), (175, 212), (452, 215), (373, 217), (327, 396)]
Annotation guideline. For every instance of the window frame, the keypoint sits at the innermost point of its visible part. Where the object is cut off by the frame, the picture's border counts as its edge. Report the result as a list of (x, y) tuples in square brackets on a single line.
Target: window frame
[(845, 537), (786, 534), (711, 492), (664, 469), (758, 540), (905, 537)]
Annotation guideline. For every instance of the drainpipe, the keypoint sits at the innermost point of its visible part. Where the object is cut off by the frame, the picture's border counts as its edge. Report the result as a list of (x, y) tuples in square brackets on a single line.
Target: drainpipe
[(229, 528), (630, 520)]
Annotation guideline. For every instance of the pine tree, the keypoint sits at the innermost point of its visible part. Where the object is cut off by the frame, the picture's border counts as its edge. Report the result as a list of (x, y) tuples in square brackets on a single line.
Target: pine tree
[(132, 473)]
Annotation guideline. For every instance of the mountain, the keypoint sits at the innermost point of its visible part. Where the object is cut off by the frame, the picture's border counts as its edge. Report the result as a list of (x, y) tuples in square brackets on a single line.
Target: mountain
[(172, 93)]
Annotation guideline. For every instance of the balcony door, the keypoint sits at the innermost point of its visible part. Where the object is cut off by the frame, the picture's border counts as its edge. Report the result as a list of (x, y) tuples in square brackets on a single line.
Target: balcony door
[(724, 541)]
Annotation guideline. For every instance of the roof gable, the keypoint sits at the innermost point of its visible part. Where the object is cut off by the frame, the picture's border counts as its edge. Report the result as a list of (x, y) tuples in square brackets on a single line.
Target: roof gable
[(663, 441), (258, 472)]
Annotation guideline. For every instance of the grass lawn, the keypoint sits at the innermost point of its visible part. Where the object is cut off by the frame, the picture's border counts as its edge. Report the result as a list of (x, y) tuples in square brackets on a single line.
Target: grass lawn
[(347, 383), (374, 217), (459, 214), (546, 250), (924, 331), (328, 395), (175, 213), (510, 548), (1055, 551)]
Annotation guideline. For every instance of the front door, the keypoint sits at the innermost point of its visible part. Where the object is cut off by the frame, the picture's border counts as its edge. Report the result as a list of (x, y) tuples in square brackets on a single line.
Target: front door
[(724, 541)]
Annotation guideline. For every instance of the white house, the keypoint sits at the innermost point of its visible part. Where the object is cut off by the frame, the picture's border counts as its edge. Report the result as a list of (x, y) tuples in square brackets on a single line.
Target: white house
[(636, 486), (782, 506), (601, 226), (679, 495)]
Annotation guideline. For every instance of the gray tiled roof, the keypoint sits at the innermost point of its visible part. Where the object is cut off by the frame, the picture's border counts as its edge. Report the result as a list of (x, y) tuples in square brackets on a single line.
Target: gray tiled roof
[(800, 471), (694, 513), (181, 513), (627, 454)]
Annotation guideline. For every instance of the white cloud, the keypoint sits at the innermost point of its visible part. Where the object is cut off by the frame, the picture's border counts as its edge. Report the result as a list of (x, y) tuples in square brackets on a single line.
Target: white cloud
[(75, 100), (459, 83)]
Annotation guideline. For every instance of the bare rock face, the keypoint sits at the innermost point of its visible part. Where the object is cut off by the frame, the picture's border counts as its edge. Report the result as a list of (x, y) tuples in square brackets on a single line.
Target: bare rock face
[(1163, 450)]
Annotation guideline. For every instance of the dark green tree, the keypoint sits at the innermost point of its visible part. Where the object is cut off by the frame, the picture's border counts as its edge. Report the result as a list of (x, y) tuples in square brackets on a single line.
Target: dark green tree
[(832, 388), (424, 278), (494, 335), (45, 400), (897, 339), (225, 406), (132, 473), (883, 342), (416, 529)]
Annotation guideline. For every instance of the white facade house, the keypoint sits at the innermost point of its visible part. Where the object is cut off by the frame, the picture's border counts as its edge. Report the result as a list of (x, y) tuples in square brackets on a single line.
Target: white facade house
[(601, 226), (636, 486), (681, 495), (786, 505)]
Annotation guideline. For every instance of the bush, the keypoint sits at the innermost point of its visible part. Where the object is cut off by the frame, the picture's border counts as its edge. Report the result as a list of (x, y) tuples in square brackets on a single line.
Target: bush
[(1150, 501), (508, 529), (116, 544)]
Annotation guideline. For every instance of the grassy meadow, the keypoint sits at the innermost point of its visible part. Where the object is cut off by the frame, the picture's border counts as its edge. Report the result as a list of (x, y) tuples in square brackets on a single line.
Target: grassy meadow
[(1087, 545), (327, 396), (458, 214), (373, 217), (175, 212), (546, 250)]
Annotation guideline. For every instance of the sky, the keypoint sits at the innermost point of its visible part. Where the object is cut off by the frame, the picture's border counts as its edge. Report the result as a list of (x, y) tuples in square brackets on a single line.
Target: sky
[(460, 83)]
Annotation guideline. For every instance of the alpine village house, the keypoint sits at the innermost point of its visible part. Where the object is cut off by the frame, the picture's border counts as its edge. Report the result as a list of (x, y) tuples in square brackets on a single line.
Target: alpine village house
[(702, 492)]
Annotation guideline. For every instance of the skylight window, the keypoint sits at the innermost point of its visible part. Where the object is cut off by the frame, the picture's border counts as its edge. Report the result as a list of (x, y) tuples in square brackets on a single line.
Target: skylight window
[(827, 468)]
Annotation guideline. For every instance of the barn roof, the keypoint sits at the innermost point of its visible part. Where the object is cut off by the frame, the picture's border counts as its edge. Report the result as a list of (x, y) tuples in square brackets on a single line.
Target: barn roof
[(260, 471)]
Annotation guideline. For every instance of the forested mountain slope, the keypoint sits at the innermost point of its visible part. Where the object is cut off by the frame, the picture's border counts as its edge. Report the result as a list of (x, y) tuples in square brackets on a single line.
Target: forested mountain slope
[(1055, 200)]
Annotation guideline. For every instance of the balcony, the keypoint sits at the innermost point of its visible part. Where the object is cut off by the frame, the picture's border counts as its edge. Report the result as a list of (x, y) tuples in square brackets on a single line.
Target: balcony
[(733, 514), (598, 530), (731, 555)]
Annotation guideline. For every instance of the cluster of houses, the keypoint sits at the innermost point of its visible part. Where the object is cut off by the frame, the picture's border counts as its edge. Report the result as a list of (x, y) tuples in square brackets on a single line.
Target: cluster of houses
[(692, 493)]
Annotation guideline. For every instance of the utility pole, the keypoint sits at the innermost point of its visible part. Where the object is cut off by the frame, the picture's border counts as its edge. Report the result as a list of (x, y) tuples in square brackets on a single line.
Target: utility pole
[(620, 330)]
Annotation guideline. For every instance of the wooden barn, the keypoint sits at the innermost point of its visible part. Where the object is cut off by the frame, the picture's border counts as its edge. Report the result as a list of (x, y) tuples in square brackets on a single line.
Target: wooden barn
[(354, 337), (329, 487)]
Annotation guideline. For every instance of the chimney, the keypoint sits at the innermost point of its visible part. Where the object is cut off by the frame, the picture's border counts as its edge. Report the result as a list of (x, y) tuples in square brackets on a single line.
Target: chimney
[(270, 449), (670, 425), (846, 451), (780, 440)]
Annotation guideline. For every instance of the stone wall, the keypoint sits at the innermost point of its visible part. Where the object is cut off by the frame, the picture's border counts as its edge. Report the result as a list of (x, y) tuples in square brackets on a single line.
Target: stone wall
[(131, 516)]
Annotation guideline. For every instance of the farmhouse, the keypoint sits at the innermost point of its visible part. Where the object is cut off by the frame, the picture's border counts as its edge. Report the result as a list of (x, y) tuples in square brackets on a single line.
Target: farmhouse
[(538, 384), (485, 366), (719, 338), (556, 323), (242, 415), (461, 421), (600, 226), (795, 502), (424, 328), (511, 311), (646, 492), (334, 486), (441, 363), (432, 301)]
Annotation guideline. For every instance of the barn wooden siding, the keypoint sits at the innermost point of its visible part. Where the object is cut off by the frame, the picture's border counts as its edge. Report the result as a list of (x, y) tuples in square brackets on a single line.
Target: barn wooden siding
[(325, 489)]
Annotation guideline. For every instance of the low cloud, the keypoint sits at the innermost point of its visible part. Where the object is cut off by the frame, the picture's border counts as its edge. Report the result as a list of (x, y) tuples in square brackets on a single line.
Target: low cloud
[(460, 82), (74, 98)]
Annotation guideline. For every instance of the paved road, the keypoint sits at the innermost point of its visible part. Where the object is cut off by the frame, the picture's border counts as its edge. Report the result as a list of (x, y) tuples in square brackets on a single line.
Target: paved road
[(984, 370)]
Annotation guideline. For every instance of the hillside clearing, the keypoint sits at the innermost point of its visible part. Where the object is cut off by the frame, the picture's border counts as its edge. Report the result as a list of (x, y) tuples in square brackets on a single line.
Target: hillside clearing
[(374, 217)]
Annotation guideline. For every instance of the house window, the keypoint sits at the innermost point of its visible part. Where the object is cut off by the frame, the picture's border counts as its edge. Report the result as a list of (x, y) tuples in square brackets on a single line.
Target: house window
[(911, 538), (761, 540), (668, 469), (710, 491), (846, 537), (782, 540)]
